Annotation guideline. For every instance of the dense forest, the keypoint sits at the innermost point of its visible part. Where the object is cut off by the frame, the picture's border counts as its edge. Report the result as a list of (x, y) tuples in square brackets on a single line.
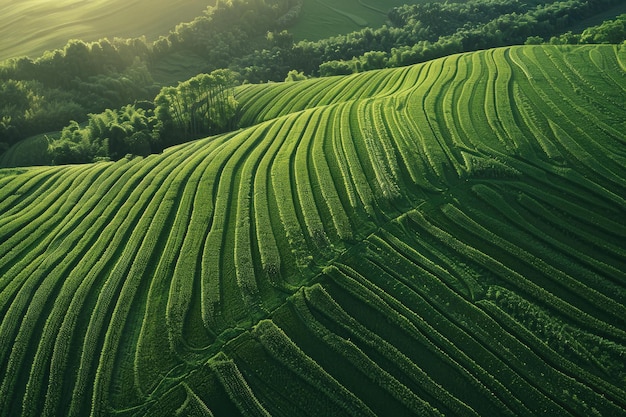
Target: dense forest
[(79, 86)]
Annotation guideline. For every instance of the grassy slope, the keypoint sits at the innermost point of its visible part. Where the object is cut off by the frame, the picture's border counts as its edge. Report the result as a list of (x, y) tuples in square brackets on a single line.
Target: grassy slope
[(31, 27), (442, 238), (321, 19)]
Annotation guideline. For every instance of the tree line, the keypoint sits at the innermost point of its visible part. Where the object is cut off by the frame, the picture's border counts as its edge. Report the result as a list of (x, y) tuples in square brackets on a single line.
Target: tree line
[(422, 32), (43, 94), (249, 37), (201, 106)]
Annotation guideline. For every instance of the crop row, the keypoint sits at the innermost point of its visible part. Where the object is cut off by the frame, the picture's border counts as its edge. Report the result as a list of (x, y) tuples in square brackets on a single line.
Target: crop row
[(505, 210), (279, 346), (237, 388), (134, 273), (489, 348), (392, 299)]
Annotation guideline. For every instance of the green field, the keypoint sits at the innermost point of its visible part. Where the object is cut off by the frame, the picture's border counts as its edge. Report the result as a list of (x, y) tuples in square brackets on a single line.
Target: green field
[(30, 27), (320, 19), (440, 239)]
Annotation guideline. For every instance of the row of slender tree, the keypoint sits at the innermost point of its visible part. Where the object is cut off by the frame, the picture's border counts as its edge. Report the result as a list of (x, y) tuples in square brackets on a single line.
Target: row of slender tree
[(201, 106), (249, 38)]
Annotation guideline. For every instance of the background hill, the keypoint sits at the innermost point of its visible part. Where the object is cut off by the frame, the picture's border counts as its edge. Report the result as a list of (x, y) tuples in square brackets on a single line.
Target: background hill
[(445, 238), (64, 87), (31, 27)]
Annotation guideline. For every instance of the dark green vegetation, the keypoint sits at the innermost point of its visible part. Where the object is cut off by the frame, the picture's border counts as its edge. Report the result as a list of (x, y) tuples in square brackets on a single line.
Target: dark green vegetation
[(248, 37), (445, 238)]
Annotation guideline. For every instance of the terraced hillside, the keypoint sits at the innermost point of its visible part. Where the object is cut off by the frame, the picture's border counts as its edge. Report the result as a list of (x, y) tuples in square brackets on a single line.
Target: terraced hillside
[(441, 239)]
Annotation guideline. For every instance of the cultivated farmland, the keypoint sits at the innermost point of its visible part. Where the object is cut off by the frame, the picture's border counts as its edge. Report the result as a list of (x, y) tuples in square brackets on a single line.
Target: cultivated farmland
[(321, 19), (30, 27), (440, 239)]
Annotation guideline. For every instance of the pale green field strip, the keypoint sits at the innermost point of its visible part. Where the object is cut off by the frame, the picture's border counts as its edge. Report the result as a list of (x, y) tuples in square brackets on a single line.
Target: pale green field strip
[(264, 102), (440, 239), (567, 130), (308, 207), (266, 231), (336, 211), (33, 26)]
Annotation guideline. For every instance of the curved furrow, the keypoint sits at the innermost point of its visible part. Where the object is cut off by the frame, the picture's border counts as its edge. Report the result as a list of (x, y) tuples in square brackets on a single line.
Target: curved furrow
[(503, 143), (305, 203), (578, 232), (118, 295), (323, 304), (108, 273), (408, 402), (25, 247), (440, 239), (506, 363), (467, 107), (274, 261), (379, 155), (221, 298), (413, 163), (453, 98), (247, 278), (283, 187), (581, 264), (338, 162), (416, 117), (52, 349), (153, 354), (284, 350), (15, 182), (510, 118), (380, 295), (564, 122), (184, 291), (601, 89), (329, 190), (434, 105), (23, 234)]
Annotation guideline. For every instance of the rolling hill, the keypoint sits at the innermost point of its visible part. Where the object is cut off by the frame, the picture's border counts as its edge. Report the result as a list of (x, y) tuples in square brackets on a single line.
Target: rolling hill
[(440, 239), (31, 27)]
